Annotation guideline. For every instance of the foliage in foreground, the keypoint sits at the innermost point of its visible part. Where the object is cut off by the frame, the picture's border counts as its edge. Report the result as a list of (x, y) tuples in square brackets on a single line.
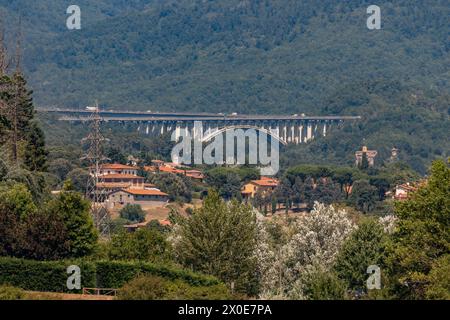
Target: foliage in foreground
[(422, 238), (220, 239), (293, 269), (51, 276), (366, 246), (144, 244), (60, 228), (157, 288), (11, 293)]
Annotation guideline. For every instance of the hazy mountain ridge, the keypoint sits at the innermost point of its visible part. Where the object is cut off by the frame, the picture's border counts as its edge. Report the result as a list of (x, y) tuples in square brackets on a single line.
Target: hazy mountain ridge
[(215, 55), (256, 56)]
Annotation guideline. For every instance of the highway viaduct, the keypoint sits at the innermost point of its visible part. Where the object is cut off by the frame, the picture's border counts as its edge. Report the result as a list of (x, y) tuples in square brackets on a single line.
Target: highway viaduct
[(285, 128)]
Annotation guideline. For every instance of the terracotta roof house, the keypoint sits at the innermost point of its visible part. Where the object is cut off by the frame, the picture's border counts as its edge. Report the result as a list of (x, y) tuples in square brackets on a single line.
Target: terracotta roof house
[(133, 180), (143, 197), (114, 168), (263, 185)]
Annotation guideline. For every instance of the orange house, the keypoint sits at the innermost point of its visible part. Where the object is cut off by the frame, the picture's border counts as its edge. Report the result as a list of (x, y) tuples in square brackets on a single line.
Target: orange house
[(263, 185)]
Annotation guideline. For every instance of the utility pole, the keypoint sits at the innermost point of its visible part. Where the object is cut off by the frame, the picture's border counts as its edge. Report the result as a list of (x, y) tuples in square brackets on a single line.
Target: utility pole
[(95, 157)]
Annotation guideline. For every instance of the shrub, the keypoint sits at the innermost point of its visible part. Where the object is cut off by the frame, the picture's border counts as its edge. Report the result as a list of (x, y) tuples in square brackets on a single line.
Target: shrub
[(51, 276), (323, 285), (144, 244), (158, 288), (11, 293), (133, 212), (114, 274), (144, 288)]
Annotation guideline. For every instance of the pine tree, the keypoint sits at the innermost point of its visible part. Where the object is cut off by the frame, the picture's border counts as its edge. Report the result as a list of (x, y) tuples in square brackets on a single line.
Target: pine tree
[(16, 105)]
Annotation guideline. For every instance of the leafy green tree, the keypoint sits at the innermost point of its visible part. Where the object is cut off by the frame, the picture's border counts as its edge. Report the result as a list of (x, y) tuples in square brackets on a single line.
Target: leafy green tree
[(27, 232), (220, 239), (157, 226), (366, 246), (308, 190), (18, 200), (284, 191), (274, 203), (75, 212), (421, 236), (258, 200), (60, 167), (175, 186), (133, 213), (382, 184), (439, 279), (323, 285), (35, 182), (79, 178), (116, 156), (16, 204), (227, 181), (44, 237), (117, 225), (326, 191), (143, 244), (298, 190), (364, 196), (344, 176), (35, 158)]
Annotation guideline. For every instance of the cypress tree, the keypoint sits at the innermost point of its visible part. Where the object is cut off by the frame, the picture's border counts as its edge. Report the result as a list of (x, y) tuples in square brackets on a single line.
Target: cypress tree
[(35, 158), (364, 162)]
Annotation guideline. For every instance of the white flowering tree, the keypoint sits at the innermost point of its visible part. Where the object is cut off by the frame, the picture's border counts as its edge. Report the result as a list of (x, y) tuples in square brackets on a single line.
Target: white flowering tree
[(315, 242), (389, 223)]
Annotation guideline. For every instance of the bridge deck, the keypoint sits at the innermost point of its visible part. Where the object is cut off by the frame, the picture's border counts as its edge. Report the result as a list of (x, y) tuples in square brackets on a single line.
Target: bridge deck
[(83, 115)]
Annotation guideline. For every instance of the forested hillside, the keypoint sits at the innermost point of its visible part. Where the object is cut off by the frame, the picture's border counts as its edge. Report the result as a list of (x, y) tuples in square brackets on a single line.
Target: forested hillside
[(254, 56)]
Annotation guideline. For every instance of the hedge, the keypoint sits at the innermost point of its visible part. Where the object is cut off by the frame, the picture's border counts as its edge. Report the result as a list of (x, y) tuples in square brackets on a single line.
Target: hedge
[(43, 275), (114, 274), (52, 275)]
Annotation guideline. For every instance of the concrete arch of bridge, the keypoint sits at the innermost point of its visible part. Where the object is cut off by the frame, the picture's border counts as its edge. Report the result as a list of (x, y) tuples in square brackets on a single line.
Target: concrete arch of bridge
[(210, 136)]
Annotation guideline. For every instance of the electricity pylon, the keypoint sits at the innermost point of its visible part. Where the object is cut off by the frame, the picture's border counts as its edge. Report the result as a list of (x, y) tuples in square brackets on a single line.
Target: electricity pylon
[(95, 157)]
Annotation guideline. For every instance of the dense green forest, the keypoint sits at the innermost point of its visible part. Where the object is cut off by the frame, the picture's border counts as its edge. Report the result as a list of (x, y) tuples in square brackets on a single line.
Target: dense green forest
[(284, 57)]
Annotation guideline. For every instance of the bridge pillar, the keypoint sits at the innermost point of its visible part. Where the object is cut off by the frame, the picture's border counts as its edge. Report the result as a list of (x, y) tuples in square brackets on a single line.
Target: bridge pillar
[(292, 133), (284, 133), (276, 130), (177, 132), (324, 129), (197, 132), (147, 129), (309, 134), (300, 133)]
